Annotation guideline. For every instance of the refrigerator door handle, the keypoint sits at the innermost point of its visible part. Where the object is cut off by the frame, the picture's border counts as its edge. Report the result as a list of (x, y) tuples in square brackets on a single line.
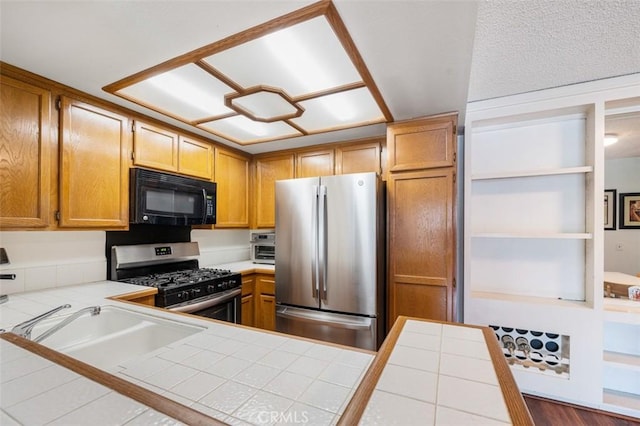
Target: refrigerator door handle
[(323, 318), (322, 240), (314, 241)]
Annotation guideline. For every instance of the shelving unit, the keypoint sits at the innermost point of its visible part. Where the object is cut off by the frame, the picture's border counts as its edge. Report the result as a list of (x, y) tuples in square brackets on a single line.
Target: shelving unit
[(534, 235)]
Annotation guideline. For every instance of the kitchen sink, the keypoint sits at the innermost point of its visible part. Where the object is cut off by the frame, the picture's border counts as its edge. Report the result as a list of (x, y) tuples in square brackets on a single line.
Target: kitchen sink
[(114, 336)]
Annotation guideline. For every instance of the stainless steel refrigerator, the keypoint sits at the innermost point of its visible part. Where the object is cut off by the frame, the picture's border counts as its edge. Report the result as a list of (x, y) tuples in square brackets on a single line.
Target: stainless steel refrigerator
[(330, 259)]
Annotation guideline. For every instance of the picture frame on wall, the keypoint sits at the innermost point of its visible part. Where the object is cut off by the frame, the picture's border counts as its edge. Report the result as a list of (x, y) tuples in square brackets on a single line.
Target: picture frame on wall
[(610, 199), (629, 208)]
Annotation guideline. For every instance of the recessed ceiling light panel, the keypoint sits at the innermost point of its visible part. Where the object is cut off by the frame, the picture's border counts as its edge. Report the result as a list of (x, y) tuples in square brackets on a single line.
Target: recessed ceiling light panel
[(295, 75)]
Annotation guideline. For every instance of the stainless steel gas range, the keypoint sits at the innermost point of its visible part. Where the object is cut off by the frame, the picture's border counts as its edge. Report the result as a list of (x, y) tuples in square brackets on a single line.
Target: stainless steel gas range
[(182, 285)]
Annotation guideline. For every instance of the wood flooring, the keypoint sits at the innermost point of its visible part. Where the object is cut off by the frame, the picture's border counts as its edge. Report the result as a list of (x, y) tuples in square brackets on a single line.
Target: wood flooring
[(546, 412)]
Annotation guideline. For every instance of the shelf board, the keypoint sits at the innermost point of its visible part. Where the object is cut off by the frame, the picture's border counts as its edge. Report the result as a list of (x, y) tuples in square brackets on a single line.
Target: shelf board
[(537, 235), (532, 173), (621, 310), (517, 298), (621, 399), (622, 360)]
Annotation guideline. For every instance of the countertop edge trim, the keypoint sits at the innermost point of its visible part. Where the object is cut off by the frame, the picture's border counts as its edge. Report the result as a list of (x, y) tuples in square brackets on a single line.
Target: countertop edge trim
[(355, 409), (144, 396), (513, 399)]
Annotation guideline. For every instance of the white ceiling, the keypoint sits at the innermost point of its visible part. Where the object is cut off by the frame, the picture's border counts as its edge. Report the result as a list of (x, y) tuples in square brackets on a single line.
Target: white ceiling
[(421, 53)]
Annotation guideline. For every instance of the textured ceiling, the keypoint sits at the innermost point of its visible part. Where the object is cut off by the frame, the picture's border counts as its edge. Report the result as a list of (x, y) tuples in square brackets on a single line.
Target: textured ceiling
[(522, 46)]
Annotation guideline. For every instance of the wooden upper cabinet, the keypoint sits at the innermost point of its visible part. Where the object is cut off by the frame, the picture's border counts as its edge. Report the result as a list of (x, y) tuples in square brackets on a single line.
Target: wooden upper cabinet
[(155, 147), (358, 158), (163, 149), (232, 178), (94, 178), (268, 171), (25, 154), (315, 163), (422, 144), (195, 158)]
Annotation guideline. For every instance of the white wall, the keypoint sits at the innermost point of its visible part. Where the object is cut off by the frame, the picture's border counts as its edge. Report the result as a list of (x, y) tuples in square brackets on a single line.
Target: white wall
[(220, 246), (623, 175)]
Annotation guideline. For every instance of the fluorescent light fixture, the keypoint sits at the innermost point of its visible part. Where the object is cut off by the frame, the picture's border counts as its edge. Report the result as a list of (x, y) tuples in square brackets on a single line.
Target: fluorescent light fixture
[(184, 91), (302, 66), (610, 139)]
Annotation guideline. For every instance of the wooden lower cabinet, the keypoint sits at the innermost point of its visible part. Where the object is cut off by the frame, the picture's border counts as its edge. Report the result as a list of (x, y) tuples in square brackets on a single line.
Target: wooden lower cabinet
[(265, 299), (247, 308)]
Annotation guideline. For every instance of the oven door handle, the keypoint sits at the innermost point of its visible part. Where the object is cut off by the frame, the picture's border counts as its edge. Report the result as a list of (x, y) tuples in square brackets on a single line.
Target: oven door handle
[(217, 300)]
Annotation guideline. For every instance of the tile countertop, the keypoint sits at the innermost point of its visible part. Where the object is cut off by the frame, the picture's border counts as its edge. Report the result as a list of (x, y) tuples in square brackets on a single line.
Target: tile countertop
[(425, 373)]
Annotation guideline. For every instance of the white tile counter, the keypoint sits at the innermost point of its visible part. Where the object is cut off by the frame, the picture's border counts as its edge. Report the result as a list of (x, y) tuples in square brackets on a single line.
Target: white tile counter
[(425, 373), (244, 267), (231, 373)]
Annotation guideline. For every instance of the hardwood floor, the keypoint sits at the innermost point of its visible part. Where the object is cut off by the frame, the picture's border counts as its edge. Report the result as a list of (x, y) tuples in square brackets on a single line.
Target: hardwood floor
[(546, 412)]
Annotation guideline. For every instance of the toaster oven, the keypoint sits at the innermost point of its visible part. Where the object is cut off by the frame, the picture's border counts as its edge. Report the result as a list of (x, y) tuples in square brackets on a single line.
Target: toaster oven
[(263, 247)]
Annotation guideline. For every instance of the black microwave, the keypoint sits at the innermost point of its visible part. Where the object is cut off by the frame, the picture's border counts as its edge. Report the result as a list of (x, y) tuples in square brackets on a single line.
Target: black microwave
[(164, 199)]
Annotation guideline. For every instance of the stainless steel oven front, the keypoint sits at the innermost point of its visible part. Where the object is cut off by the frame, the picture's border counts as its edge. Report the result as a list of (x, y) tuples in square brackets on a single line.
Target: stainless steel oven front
[(263, 247), (225, 306)]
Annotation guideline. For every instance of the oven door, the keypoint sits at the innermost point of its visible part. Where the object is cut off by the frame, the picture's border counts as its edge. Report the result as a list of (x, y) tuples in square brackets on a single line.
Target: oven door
[(223, 306), (263, 253)]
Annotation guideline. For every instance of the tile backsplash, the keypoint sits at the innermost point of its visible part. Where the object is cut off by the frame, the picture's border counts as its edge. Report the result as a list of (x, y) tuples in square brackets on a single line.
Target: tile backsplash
[(47, 259)]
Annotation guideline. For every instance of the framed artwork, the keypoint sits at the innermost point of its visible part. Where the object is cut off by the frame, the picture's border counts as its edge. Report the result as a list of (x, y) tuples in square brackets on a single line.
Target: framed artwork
[(610, 200), (629, 210)]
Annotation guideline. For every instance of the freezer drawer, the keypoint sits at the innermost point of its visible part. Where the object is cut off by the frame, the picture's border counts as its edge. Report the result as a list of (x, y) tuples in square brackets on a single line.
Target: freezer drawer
[(330, 327)]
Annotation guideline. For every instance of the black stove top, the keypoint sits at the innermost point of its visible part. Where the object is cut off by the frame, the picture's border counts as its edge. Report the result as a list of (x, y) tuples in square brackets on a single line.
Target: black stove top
[(183, 286), (179, 278)]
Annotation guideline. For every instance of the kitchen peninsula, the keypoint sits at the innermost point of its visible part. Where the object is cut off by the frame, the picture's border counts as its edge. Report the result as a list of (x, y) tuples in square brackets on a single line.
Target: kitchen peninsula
[(226, 373)]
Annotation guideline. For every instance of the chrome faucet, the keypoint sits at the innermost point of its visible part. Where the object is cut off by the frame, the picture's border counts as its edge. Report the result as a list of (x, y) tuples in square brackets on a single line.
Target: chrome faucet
[(93, 310), (24, 328)]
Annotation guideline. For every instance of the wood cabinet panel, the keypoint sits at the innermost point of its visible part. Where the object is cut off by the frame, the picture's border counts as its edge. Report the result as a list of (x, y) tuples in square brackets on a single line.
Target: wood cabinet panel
[(248, 304), (232, 178), (94, 178), (195, 158), (155, 147), (422, 243), (422, 144), (268, 171), (265, 302), (25, 154), (358, 158), (421, 203), (315, 163)]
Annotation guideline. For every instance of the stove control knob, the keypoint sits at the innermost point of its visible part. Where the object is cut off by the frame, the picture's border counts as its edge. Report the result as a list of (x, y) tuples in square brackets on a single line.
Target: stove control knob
[(195, 291), (211, 288), (225, 285), (184, 295)]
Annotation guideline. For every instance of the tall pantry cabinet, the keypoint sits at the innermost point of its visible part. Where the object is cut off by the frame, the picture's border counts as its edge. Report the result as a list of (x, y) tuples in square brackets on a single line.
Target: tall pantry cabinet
[(421, 205)]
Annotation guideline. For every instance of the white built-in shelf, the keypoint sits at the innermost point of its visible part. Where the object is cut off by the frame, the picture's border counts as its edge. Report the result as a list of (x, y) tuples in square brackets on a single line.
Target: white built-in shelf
[(615, 398), (622, 360), (519, 298), (532, 173), (621, 310), (538, 235)]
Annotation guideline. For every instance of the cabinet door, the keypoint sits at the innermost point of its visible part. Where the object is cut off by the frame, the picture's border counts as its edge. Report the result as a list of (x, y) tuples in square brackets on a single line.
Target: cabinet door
[(268, 171), (155, 147), (359, 158), (421, 244), (232, 177), (25, 154), (195, 158), (422, 144), (94, 178), (266, 302), (315, 163), (248, 308)]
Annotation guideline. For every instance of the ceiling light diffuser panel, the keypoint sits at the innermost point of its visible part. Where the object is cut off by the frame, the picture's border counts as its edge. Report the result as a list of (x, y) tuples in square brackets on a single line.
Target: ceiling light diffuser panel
[(296, 75)]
